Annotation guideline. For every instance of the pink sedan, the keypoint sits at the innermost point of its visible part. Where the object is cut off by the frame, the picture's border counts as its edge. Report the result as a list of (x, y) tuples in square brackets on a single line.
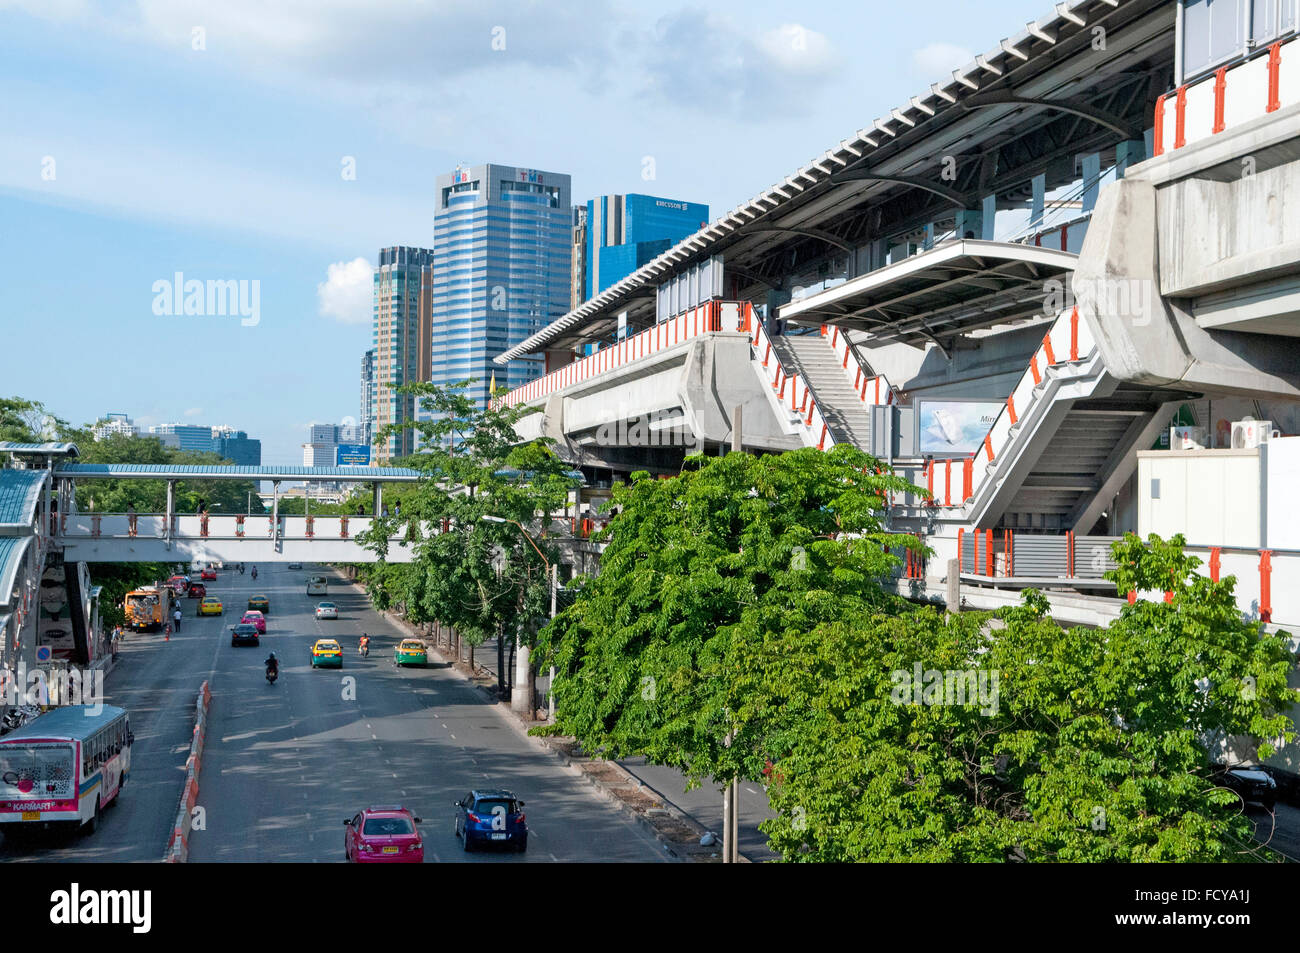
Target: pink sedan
[(253, 617)]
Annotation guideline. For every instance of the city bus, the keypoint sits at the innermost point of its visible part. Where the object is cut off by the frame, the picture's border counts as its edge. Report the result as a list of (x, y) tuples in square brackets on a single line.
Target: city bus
[(62, 768), (317, 586)]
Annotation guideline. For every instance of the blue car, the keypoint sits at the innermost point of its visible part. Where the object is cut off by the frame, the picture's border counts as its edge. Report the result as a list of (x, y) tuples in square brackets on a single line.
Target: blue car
[(491, 818)]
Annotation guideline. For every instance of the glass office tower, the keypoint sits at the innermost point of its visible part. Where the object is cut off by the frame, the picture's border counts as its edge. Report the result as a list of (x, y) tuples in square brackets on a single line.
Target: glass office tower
[(624, 232), (399, 357), (502, 256)]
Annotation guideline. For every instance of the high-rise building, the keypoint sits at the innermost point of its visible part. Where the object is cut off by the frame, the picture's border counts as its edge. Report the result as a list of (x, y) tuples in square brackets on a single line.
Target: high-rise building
[(114, 423), (578, 274), (502, 267), (368, 395), (399, 307), (234, 445), (323, 441), (623, 232)]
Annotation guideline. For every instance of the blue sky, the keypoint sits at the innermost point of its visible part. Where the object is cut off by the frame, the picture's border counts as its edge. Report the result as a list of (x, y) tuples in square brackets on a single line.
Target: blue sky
[(140, 138)]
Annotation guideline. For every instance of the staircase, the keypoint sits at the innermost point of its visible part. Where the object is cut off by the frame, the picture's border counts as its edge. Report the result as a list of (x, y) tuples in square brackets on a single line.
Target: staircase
[(812, 358)]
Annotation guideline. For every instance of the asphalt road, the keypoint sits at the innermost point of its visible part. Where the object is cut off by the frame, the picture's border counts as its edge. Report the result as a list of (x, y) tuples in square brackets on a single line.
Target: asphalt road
[(286, 763), (157, 682)]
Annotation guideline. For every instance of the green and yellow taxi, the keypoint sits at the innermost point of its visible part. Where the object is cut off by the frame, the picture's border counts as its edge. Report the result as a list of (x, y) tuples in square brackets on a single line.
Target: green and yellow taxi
[(210, 605), (411, 652), (260, 603), (327, 652)]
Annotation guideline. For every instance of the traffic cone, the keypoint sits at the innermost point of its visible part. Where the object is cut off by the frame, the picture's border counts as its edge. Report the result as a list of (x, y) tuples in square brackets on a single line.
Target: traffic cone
[(167, 632)]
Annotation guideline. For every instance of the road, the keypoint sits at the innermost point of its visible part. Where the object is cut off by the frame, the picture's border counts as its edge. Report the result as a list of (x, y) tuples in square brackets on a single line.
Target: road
[(157, 682), (286, 763)]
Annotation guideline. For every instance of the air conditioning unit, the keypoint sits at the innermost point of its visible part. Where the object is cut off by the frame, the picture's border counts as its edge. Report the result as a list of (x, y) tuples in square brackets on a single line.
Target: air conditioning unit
[(1186, 438), (1250, 433)]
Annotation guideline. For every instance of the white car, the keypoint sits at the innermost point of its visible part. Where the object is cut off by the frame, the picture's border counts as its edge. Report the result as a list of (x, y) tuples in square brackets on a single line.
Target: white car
[(327, 610)]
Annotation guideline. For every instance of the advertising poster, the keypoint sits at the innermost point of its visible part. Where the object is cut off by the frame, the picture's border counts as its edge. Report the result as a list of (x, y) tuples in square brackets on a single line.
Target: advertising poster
[(953, 428)]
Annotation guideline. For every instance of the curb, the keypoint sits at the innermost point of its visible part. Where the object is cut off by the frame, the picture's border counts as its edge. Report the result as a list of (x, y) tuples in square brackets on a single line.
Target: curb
[(608, 789), (178, 846)]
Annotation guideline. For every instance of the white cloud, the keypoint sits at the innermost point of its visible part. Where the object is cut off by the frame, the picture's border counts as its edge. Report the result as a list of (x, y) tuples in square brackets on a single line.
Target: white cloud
[(346, 293), (797, 49), (938, 59), (193, 411)]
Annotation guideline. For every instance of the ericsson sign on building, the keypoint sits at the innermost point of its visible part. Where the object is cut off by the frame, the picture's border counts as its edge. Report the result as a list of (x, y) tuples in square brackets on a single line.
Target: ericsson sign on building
[(352, 455)]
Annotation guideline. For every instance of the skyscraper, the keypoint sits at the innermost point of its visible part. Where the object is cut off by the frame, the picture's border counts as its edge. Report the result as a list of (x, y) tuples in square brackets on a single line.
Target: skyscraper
[(502, 262), (235, 445), (115, 423), (397, 339), (578, 275), (623, 232), (367, 418)]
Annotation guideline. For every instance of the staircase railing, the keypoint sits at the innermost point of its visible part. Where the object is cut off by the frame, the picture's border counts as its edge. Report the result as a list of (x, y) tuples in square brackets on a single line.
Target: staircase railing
[(870, 388), (792, 390), (1068, 341)]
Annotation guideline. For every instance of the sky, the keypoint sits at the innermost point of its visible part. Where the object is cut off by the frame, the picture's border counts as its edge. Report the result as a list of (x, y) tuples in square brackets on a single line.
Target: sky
[(279, 144)]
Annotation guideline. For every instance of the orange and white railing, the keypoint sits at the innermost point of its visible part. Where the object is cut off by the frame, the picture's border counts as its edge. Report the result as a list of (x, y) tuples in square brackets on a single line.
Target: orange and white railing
[(709, 318), (792, 391), (870, 388), (1229, 97), (1069, 341)]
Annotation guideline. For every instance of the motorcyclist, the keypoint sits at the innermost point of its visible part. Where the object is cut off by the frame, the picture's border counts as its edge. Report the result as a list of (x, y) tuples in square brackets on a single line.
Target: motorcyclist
[(254, 572), (272, 664), (363, 644)]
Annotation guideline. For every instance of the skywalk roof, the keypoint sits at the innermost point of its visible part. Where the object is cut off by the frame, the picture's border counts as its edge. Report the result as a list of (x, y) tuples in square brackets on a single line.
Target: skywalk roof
[(115, 471), (956, 287), (20, 491)]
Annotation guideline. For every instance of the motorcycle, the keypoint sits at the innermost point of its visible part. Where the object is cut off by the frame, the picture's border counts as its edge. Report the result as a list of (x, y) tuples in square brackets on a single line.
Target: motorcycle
[(272, 673), (364, 650), (254, 572)]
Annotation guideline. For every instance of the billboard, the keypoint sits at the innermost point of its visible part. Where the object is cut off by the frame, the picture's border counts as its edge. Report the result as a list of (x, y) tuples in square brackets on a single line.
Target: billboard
[(950, 428), (352, 455)]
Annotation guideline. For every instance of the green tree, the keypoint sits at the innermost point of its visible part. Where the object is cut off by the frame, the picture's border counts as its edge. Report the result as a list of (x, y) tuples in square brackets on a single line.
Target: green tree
[(482, 577), (653, 657)]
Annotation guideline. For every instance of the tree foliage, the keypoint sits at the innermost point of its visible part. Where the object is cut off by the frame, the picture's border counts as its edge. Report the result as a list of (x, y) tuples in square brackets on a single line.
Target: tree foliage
[(482, 577), (742, 600)]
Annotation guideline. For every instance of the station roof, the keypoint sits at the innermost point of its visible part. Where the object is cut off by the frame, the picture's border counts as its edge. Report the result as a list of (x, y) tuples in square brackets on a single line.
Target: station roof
[(147, 471), (20, 491), (1036, 101), (952, 289), (51, 449)]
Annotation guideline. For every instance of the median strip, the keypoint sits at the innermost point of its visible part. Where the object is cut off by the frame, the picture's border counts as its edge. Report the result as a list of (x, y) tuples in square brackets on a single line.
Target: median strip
[(178, 846)]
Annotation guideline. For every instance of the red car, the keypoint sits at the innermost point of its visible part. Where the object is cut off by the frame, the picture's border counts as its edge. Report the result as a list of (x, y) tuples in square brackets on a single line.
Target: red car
[(197, 590), (381, 834), (255, 618), (208, 575)]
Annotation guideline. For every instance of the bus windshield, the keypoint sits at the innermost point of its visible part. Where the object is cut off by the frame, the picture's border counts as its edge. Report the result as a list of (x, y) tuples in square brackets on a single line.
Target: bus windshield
[(37, 770)]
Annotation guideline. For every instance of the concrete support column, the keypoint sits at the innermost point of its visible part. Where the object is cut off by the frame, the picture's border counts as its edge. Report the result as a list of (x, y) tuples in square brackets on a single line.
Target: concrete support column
[(1039, 201), (1091, 174), (171, 511), (988, 217), (970, 223), (521, 699), (1127, 153), (775, 298), (928, 241), (275, 513)]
